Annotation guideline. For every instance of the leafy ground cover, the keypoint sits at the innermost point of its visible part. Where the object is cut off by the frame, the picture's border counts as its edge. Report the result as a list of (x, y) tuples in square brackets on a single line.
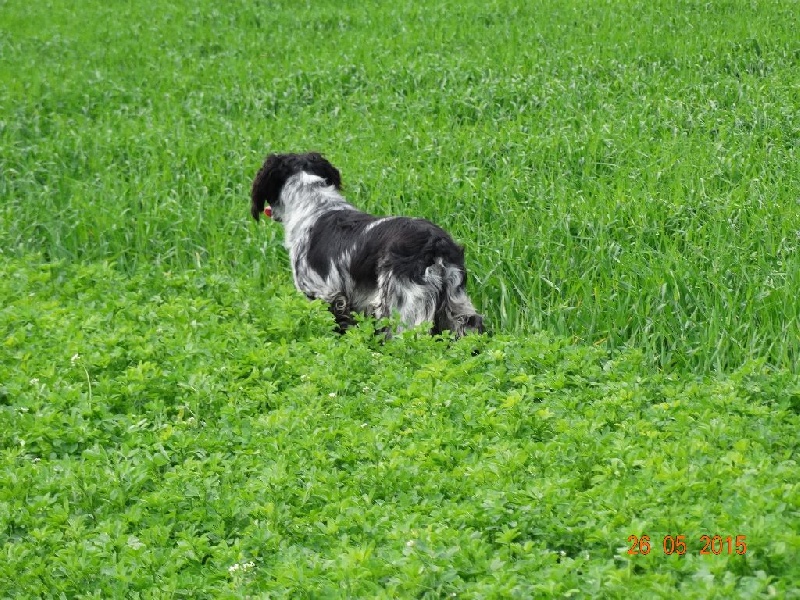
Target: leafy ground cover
[(175, 435), (176, 422)]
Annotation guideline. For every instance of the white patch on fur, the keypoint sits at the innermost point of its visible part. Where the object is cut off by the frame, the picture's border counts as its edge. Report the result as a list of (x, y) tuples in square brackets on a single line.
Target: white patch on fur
[(372, 225)]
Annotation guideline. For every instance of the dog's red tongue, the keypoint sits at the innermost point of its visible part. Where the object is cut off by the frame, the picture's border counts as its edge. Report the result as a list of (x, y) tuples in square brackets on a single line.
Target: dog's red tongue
[(268, 211)]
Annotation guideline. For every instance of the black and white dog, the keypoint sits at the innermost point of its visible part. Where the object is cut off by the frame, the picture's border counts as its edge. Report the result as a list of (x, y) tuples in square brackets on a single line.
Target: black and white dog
[(358, 262)]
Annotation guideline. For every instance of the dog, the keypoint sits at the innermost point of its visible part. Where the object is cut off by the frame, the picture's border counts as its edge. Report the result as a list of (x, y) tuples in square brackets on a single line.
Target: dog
[(357, 262)]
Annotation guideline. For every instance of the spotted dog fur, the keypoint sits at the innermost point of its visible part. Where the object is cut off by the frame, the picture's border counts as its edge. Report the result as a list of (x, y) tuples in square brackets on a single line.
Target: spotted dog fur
[(357, 262)]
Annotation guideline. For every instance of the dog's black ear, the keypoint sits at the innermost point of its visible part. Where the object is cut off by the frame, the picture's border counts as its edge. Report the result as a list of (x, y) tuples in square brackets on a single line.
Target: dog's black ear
[(319, 165), (267, 184), (278, 168)]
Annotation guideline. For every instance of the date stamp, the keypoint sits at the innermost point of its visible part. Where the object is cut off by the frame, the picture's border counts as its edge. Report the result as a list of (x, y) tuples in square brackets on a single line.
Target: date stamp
[(676, 544)]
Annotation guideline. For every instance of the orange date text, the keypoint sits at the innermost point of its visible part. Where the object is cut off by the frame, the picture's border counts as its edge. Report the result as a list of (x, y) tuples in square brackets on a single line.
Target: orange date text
[(676, 544)]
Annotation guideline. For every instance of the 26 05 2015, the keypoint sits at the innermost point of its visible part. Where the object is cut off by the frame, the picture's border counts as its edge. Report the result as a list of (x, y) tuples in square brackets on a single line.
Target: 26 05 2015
[(676, 544)]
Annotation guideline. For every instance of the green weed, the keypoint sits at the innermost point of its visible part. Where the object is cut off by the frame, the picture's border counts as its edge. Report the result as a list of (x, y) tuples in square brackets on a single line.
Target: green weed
[(195, 435), (623, 173)]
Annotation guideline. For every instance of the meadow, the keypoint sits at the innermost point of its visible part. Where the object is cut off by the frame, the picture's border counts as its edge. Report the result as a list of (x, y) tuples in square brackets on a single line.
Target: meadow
[(176, 421)]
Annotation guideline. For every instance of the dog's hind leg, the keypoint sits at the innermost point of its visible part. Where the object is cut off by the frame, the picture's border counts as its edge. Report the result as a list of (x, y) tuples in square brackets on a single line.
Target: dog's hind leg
[(454, 311), (404, 298), (341, 313), (415, 302)]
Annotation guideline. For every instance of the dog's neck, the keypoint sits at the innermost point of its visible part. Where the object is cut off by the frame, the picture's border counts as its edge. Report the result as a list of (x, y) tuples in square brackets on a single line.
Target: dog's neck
[(304, 198)]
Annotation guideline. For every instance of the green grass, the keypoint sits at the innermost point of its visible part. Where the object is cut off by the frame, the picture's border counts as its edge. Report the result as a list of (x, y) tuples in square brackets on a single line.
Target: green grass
[(625, 179), (623, 173)]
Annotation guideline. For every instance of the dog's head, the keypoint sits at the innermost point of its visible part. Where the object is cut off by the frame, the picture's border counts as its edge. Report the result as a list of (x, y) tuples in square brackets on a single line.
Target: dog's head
[(277, 169)]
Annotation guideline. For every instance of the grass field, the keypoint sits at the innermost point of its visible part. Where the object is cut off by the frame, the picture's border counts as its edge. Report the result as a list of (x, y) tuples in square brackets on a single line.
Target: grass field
[(176, 421)]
